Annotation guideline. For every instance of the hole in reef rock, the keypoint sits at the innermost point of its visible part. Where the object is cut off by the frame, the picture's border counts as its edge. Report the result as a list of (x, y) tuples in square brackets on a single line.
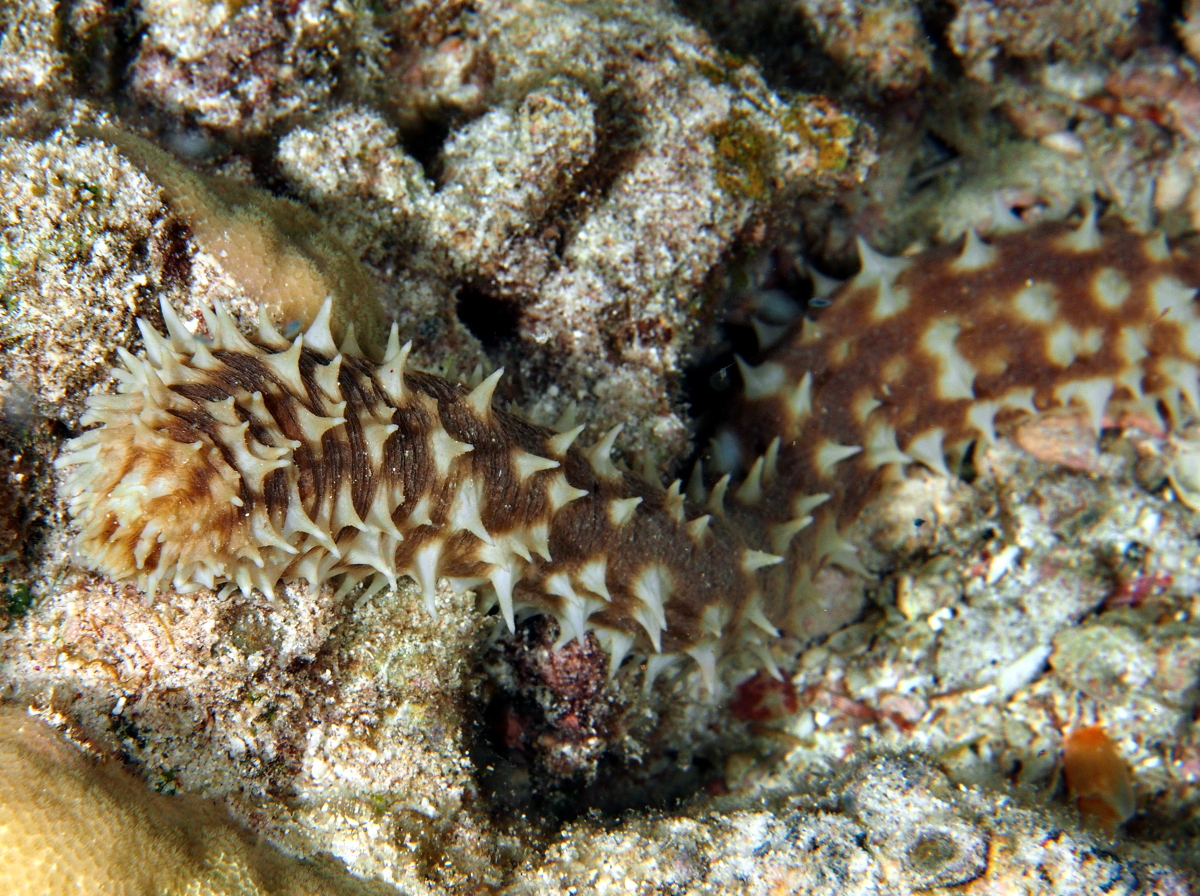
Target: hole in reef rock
[(493, 321), (424, 143), (550, 734), (619, 119)]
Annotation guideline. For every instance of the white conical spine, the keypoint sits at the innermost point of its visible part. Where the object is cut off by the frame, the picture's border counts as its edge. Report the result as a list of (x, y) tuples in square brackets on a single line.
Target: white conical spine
[(391, 372), (716, 501), (698, 528), (928, 449), (876, 267), (831, 454), (350, 344), (599, 455), (267, 334), (286, 366), (783, 533), (326, 378), (754, 560), (593, 577), (561, 493), (618, 644), (180, 335), (621, 510), (800, 399), (976, 254), (480, 398), (318, 336), (673, 501), (560, 444), (750, 491), (761, 381), (527, 464)]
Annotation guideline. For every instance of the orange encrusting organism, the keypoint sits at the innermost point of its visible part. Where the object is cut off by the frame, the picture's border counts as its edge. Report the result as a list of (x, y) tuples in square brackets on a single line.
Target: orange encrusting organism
[(1098, 779)]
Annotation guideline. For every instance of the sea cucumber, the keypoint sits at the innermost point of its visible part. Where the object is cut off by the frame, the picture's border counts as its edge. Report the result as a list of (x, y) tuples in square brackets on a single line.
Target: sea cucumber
[(231, 460), (919, 360), (251, 461)]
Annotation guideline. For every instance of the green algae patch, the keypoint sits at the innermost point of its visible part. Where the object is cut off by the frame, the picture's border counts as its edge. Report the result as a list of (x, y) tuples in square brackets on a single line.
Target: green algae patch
[(822, 125), (15, 602), (744, 157)]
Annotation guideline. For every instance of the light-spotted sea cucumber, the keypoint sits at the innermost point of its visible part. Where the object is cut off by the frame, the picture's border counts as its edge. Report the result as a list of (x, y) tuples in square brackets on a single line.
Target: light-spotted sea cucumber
[(917, 360), (256, 460)]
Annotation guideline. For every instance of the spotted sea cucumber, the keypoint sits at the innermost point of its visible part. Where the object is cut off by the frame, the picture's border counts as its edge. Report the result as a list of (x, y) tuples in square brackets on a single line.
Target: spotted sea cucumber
[(249, 461), (917, 361)]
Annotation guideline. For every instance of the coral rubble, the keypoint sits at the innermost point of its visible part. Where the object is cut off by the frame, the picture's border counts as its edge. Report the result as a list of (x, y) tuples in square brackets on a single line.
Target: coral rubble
[(897, 826), (241, 69), (619, 161), (984, 31)]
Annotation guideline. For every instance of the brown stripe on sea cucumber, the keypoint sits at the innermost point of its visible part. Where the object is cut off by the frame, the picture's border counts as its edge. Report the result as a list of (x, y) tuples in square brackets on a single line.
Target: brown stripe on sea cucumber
[(284, 460)]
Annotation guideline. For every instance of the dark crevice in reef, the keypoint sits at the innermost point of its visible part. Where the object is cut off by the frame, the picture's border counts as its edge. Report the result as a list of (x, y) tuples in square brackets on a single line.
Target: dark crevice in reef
[(543, 748), (494, 316), (101, 55), (709, 385), (425, 142), (775, 36), (712, 381), (26, 442), (619, 137), (491, 315), (493, 320), (515, 788), (174, 248)]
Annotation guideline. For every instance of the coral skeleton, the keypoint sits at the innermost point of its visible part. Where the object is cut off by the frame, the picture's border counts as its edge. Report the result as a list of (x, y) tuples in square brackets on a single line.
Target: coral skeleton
[(250, 461), (75, 824)]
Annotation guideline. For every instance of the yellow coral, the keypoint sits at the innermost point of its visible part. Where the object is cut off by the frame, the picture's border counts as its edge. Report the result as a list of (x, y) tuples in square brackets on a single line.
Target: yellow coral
[(72, 824), (277, 250)]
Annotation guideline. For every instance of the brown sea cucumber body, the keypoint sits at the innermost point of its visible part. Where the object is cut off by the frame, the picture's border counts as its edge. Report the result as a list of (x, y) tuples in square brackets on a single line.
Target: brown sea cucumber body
[(253, 461), (256, 461)]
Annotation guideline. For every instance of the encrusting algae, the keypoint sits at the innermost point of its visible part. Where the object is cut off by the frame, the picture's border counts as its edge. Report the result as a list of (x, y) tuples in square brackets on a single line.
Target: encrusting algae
[(277, 250)]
